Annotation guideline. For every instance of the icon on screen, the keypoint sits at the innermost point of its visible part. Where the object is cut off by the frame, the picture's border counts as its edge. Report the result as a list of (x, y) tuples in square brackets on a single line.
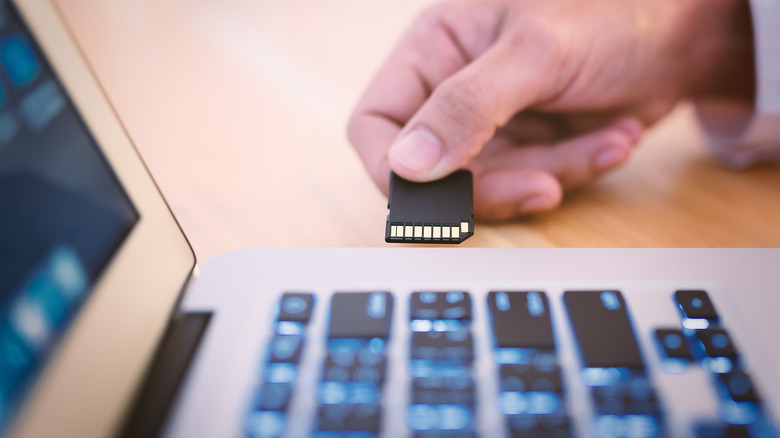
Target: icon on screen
[(18, 61), (41, 105)]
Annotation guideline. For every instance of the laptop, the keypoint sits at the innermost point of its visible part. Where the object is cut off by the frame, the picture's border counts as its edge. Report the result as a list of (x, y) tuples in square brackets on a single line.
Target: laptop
[(108, 329)]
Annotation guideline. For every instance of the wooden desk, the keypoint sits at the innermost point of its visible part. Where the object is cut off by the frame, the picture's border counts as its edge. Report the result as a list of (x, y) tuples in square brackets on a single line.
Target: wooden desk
[(239, 109)]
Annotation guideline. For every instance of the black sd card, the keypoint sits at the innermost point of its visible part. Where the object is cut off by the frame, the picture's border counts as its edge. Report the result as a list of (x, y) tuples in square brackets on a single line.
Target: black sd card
[(434, 212)]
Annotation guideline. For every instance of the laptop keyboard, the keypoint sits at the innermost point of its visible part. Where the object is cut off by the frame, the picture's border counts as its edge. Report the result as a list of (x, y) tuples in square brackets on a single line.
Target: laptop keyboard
[(532, 393)]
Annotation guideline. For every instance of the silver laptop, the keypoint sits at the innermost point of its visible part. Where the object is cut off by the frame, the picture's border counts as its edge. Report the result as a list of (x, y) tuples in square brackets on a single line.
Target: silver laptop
[(108, 329)]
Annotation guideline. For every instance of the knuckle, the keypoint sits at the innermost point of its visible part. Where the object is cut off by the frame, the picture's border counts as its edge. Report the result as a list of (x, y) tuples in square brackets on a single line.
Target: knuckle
[(548, 46), (539, 34)]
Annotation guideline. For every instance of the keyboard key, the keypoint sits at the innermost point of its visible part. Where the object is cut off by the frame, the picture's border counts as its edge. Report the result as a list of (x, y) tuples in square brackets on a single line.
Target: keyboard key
[(350, 417), (266, 424), (273, 397), (285, 348), (444, 390), (337, 393), (603, 330), (296, 307), (356, 367), (449, 346), (444, 417), (432, 306), (716, 343), (280, 372), (539, 426), (697, 309), (529, 402), (362, 315), (673, 344), (737, 386), (531, 377), (636, 397), (627, 426), (521, 320)]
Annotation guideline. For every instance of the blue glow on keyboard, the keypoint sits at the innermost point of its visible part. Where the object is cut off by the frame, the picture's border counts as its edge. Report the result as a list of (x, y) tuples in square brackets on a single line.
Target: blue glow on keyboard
[(427, 297), (719, 340), (732, 412), (531, 402), (535, 304), (610, 300), (718, 365), (502, 302), (334, 393), (604, 376), (626, 426), (675, 366), (695, 323), (513, 355), (438, 417), (377, 305), (447, 325), (739, 384), (453, 312), (284, 347), (343, 359), (672, 341), (371, 357), (455, 297), (289, 328), (545, 362), (280, 372), (376, 345), (294, 305), (437, 368), (345, 346), (367, 374), (265, 424), (421, 325), (439, 325)]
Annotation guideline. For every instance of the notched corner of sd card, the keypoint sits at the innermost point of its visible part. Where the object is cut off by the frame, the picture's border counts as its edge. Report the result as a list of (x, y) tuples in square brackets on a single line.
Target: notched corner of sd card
[(440, 211)]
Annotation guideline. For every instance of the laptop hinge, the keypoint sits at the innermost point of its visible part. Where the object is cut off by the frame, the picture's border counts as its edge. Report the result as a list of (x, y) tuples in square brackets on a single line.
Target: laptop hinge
[(166, 374)]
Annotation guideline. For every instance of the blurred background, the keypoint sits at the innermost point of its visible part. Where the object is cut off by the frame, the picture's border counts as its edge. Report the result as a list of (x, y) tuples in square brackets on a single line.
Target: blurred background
[(239, 108)]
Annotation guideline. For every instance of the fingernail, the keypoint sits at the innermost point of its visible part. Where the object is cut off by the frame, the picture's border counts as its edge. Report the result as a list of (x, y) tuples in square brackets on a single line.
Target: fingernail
[(609, 157), (419, 150), (536, 203)]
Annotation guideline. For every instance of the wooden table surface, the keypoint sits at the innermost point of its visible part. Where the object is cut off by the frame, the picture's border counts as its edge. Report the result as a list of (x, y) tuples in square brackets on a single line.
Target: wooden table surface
[(239, 108)]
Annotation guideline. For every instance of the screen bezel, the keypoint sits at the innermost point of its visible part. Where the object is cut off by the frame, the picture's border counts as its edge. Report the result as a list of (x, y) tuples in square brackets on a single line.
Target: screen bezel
[(91, 379)]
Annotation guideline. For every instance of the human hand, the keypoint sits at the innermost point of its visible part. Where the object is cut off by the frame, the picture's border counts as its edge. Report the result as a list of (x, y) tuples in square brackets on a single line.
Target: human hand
[(535, 97)]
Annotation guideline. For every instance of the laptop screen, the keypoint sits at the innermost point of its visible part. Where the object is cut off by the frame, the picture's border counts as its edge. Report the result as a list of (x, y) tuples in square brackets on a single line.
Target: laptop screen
[(63, 213)]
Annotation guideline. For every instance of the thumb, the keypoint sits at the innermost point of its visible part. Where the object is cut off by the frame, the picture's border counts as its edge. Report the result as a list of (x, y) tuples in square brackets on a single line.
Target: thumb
[(462, 114)]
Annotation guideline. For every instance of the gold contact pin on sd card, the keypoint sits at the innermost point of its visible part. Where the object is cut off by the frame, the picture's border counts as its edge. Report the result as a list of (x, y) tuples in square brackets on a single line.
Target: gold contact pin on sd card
[(440, 211)]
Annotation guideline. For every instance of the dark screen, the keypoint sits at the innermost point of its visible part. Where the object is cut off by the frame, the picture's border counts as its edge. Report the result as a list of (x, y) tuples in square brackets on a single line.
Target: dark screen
[(63, 214)]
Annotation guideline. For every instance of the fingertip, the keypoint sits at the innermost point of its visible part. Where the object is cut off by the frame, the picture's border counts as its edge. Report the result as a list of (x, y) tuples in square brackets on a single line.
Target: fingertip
[(631, 127), (414, 155), (538, 203), (508, 194), (614, 152)]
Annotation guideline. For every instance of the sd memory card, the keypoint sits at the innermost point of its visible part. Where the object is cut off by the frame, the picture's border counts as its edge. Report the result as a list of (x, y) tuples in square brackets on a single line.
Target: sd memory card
[(440, 211)]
